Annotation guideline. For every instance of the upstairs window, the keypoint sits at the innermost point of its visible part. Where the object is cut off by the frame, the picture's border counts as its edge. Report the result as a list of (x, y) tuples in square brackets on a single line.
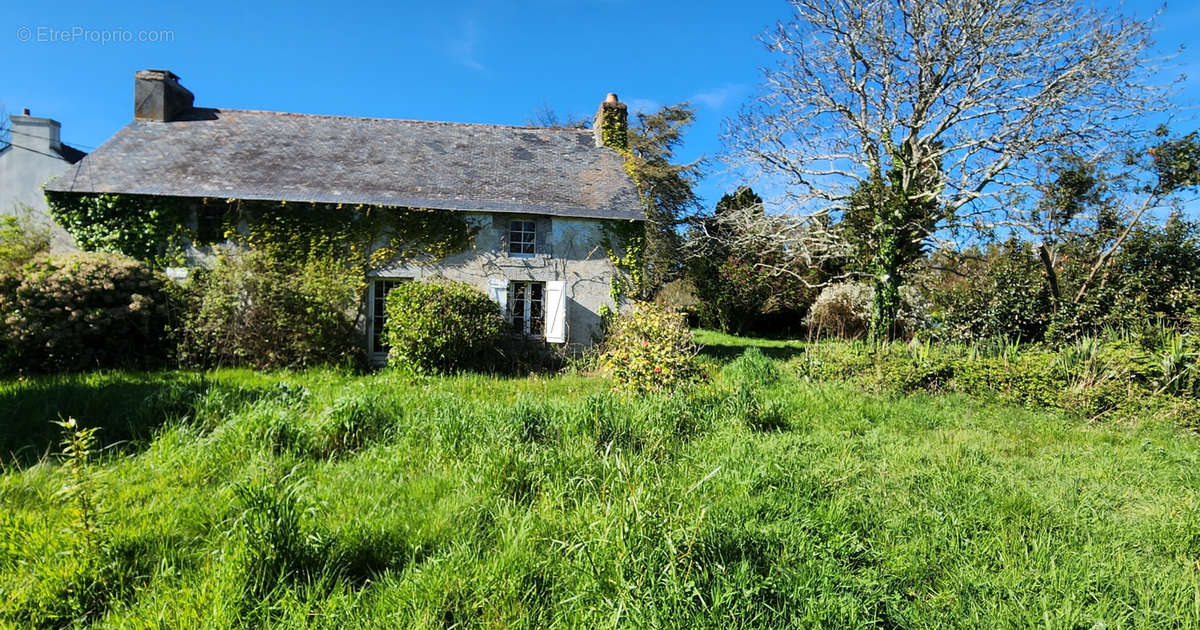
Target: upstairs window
[(522, 239)]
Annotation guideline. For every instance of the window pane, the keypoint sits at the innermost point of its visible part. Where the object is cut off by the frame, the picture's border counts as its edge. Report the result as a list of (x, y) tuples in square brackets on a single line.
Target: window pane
[(379, 312), (522, 237), (519, 293)]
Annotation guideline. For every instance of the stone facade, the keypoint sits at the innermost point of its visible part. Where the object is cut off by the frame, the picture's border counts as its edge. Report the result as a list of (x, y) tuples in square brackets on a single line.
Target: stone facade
[(570, 250)]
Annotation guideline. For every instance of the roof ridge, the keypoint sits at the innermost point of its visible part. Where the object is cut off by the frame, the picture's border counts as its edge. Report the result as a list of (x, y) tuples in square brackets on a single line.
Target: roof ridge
[(400, 120)]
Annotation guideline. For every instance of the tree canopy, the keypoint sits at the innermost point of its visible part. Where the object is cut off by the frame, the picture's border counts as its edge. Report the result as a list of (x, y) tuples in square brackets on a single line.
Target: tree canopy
[(923, 121)]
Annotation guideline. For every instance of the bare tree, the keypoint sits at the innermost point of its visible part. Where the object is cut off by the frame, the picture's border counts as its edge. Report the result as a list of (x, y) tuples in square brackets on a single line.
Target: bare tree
[(545, 116), (940, 117)]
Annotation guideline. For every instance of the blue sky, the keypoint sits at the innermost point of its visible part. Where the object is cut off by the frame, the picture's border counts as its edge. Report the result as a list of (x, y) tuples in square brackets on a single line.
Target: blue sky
[(484, 62)]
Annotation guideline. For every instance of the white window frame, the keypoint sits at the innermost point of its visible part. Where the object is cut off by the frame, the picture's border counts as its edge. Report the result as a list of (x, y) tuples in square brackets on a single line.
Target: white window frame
[(527, 230), (526, 306), (375, 321)]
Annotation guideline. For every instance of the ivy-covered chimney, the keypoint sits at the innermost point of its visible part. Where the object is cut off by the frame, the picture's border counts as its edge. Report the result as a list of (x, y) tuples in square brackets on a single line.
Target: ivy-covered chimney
[(611, 127), (158, 96)]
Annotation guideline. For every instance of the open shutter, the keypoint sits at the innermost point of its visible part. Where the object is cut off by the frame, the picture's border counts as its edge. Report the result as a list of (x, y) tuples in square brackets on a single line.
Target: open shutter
[(499, 292), (556, 311)]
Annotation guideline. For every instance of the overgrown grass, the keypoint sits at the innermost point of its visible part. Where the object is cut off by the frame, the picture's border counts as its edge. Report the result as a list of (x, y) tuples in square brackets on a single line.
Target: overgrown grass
[(322, 499)]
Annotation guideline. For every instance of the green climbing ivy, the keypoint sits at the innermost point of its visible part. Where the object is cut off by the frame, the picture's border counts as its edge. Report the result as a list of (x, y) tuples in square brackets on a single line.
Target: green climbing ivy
[(150, 229), (158, 230)]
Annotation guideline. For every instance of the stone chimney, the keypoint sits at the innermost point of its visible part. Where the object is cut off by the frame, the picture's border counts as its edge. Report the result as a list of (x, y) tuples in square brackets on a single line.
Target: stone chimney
[(157, 96), (39, 134), (611, 127)]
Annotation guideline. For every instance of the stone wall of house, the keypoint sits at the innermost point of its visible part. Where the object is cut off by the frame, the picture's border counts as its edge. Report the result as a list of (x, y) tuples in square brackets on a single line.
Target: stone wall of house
[(572, 251)]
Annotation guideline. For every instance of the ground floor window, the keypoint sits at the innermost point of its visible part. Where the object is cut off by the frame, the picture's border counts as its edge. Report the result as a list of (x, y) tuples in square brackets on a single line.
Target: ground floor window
[(527, 306), (378, 312)]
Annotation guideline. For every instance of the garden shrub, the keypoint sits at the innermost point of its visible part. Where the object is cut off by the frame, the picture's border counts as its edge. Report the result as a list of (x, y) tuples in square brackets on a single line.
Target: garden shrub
[(81, 311), (255, 311), (1003, 294), (442, 327), (20, 242), (844, 310), (650, 349)]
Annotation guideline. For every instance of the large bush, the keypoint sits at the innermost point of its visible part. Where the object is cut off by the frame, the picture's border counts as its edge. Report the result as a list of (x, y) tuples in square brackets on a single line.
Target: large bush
[(650, 349), (256, 311), (844, 310), (442, 327), (81, 311), (1001, 294)]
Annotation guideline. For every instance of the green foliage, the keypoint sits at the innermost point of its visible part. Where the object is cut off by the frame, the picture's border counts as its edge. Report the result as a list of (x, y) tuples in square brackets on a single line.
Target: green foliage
[(1002, 294), (254, 310), (552, 502), (614, 128), (1154, 277), (150, 229), (1176, 162), (81, 311), (79, 584), (158, 229), (78, 445), (649, 349), (742, 291), (442, 327), (651, 256), (20, 242), (625, 244), (295, 232), (890, 218)]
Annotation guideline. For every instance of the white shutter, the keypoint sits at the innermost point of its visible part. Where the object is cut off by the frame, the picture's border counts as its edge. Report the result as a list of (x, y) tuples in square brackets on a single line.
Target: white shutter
[(556, 311), (499, 292)]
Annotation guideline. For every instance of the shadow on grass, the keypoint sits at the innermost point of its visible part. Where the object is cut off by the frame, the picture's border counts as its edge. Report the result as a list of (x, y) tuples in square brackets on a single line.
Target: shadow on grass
[(127, 408), (724, 351)]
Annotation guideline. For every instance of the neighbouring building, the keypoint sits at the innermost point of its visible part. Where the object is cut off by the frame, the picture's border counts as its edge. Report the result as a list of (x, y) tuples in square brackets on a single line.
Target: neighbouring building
[(539, 197), (34, 156)]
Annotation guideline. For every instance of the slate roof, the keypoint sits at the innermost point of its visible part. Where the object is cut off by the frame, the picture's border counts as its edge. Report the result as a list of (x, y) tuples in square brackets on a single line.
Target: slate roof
[(242, 154)]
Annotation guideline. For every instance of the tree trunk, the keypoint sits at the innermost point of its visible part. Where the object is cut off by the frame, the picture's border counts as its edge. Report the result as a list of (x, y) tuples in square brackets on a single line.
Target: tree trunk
[(1051, 275), (886, 304)]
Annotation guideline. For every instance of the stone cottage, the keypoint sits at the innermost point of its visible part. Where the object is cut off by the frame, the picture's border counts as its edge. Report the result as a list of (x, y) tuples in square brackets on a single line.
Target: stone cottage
[(35, 155), (540, 198)]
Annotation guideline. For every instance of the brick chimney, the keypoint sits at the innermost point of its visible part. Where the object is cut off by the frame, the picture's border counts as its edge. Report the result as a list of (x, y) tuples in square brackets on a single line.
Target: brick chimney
[(39, 134), (158, 96), (611, 127)]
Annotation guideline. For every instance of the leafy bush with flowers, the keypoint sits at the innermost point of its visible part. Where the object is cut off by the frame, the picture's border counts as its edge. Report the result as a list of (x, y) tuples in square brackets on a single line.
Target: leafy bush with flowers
[(82, 311), (650, 349)]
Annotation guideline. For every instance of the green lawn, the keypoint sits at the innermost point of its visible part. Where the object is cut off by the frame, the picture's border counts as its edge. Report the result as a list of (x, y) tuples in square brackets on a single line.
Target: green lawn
[(322, 499)]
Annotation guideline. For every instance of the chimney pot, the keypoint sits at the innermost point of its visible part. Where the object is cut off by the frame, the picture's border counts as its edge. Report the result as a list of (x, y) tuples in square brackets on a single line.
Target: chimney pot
[(158, 96)]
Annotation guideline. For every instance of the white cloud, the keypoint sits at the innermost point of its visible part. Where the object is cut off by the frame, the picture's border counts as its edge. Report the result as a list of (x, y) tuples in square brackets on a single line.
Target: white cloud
[(718, 98), (463, 45)]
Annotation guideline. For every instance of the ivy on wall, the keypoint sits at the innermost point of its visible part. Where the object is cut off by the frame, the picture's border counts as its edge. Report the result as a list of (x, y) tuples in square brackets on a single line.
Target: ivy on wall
[(625, 244), (149, 229), (159, 230)]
